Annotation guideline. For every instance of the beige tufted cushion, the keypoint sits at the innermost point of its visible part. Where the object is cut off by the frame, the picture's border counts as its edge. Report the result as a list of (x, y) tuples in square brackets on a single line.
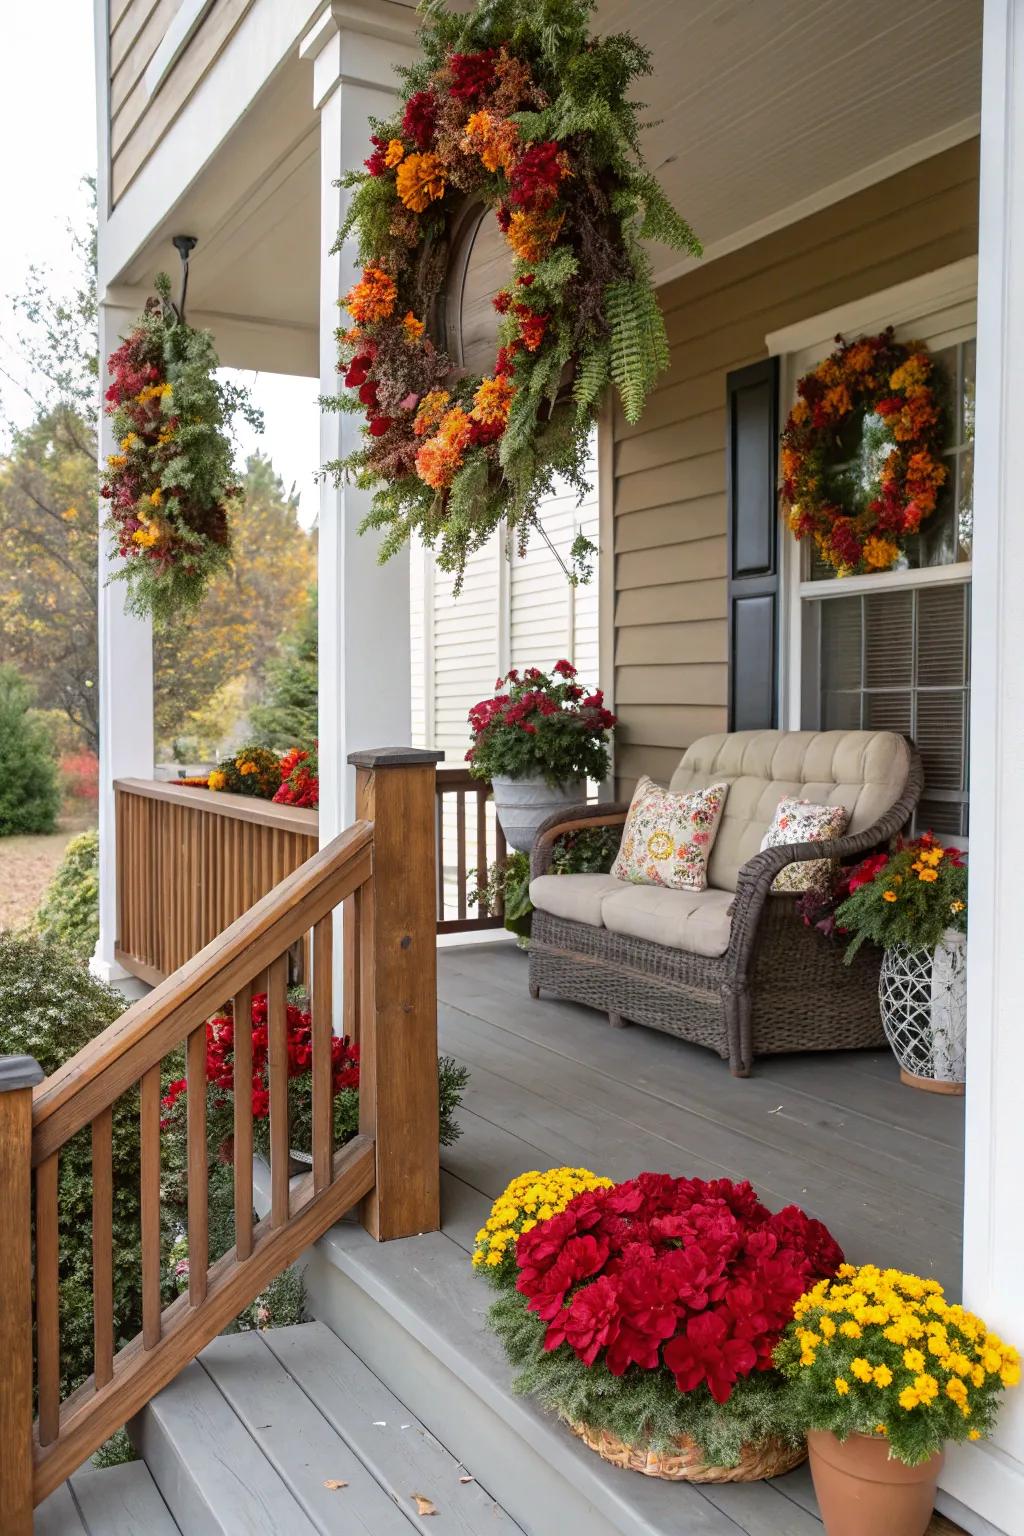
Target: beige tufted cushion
[(866, 771), (576, 897), (697, 921)]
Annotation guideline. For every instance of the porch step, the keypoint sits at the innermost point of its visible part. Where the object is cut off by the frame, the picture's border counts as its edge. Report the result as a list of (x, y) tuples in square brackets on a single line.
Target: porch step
[(416, 1313), (106, 1501), (249, 1438)]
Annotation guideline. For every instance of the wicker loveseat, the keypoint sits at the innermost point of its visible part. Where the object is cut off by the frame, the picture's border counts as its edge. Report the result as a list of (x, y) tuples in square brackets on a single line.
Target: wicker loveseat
[(732, 967)]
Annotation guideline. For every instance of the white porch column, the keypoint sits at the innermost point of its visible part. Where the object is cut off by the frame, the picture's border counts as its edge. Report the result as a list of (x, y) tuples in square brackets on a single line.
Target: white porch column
[(990, 1479), (125, 680), (365, 663)]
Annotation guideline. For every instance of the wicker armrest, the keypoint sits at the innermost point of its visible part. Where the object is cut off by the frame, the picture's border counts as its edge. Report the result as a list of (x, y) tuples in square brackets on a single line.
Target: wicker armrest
[(572, 818), (757, 875)]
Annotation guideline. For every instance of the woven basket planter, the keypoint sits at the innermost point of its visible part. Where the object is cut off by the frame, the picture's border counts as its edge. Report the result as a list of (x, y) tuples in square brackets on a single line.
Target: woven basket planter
[(922, 994), (685, 1463)]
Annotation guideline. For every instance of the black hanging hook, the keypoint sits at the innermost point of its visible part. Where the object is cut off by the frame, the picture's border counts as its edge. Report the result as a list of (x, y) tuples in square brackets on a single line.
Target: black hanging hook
[(184, 245)]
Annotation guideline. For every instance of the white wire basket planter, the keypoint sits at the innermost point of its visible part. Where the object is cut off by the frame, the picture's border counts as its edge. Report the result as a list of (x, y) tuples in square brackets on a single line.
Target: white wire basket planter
[(923, 998)]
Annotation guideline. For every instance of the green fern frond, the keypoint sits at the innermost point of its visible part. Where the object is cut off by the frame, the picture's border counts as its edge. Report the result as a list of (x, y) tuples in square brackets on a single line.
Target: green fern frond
[(639, 346)]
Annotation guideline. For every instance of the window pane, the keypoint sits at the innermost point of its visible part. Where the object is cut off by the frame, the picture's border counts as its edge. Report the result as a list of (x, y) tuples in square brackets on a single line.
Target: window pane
[(840, 712), (943, 817), (940, 737), (966, 424), (888, 639), (840, 643), (941, 639), (888, 712)]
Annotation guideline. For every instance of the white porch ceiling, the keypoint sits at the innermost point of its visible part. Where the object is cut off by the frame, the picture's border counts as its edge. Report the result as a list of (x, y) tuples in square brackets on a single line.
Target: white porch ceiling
[(761, 110)]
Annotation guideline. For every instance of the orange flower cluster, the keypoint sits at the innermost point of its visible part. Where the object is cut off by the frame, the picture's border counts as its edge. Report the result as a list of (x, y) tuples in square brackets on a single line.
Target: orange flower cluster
[(440, 458), (432, 408), (494, 139), (492, 401), (373, 297), (531, 234), (420, 180)]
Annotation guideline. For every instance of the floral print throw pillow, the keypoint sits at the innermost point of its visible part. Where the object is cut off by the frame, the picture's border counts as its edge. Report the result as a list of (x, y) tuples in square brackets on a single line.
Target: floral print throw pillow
[(801, 821), (667, 837)]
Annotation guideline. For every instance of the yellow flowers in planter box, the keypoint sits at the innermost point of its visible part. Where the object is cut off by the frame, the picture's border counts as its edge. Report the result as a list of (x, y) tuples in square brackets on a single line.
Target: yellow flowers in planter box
[(876, 1351), (530, 1198)]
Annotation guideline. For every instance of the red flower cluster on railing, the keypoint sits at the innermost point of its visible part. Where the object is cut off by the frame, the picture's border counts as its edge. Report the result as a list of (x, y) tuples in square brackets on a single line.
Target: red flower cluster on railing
[(696, 1276), (300, 779), (220, 1056)]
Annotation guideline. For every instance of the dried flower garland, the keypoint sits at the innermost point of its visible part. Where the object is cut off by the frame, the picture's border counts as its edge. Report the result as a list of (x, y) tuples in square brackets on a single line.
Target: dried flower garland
[(517, 106), (172, 479), (859, 520)]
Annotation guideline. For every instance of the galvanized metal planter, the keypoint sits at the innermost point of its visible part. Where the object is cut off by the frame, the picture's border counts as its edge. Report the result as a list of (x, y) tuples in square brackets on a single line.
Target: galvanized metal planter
[(523, 804)]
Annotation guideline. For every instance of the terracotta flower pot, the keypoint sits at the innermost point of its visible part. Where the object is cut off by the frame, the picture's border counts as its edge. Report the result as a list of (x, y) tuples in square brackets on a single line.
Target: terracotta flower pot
[(862, 1491)]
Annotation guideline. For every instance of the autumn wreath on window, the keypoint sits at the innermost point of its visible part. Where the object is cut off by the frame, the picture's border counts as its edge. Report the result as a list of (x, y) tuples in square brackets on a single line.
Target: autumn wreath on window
[(516, 108), (170, 483), (861, 452)]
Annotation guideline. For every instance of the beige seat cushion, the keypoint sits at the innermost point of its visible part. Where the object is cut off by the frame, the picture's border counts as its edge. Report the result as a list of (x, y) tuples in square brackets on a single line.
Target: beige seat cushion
[(865, 771), (697, 921), (576, 897)]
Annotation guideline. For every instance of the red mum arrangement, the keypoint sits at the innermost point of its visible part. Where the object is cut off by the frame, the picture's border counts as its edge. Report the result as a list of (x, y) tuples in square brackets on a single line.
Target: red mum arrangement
[(540, 722), (220, 1057), (859, 529), (300, 779), (692, 1276)]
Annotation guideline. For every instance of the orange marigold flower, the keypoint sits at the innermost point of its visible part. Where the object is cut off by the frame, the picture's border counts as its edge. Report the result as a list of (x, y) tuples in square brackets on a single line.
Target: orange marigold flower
[(420, 181), (494, 139), (531, 235), (413, 327), (393, 153), (373, 297), (880, 554), (440, 457), (492, 401), (430, 412)]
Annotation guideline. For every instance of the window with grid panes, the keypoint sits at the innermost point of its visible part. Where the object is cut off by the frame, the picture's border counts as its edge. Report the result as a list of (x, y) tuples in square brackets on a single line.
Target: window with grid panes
[(900, 659)]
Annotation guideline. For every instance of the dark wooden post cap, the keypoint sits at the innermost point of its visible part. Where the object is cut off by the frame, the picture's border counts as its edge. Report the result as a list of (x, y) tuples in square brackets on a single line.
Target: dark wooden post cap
[(394, 757), (19, 1072)]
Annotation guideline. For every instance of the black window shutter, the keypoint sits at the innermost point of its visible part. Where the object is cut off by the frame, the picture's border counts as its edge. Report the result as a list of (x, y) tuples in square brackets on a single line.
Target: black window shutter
[(751, 447)]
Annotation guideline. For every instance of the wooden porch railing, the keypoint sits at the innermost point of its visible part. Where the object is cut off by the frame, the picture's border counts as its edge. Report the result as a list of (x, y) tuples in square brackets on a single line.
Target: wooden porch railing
[(190, 862), (383, 867)]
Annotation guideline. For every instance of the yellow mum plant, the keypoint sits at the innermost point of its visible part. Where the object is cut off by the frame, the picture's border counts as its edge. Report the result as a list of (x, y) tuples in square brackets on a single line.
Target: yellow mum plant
[(879, 1352), (530, 1198)]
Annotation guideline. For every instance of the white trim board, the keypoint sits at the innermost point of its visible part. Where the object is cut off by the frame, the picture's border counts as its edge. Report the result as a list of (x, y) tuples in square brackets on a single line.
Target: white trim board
[(898, 305), (824, 197)]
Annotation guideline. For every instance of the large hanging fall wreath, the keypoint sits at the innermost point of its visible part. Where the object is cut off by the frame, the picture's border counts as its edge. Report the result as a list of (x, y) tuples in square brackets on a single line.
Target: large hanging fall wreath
[(171, 480), (859, 501), (516, 108)]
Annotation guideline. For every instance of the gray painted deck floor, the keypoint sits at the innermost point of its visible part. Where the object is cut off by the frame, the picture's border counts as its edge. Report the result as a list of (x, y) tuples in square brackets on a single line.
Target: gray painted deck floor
[(837, 1133)]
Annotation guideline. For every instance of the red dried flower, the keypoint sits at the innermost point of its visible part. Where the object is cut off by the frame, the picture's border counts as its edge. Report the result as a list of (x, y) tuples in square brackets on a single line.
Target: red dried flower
[(472, 73), (536, 176), (420, 119)]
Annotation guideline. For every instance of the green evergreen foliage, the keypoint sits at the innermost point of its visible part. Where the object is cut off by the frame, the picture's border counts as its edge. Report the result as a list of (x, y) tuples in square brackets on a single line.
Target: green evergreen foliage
[(68, 915), (29, 792), (50, 1007), (641, 1407), (287, 714), (639, 346)]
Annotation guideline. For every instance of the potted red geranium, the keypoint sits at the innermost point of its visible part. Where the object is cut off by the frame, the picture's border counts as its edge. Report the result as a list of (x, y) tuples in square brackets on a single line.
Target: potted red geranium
[(646, 1315), (538, 739)]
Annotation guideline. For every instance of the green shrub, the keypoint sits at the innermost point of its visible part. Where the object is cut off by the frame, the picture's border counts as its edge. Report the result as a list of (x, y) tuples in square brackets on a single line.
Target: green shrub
[(29, 791), (50, 1007), (69, 913), (589, 851), (287, 714)]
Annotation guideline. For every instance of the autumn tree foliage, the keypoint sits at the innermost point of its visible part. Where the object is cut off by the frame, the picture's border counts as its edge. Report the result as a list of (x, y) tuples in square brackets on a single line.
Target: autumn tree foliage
[(209, 668)]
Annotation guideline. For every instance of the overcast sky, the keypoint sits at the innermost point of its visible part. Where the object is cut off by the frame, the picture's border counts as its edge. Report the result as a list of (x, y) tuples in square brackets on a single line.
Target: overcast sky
[(48, 130)]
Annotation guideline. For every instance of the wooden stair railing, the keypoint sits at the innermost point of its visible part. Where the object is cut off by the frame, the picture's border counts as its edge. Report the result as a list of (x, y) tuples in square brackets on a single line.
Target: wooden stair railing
[(382, 869)]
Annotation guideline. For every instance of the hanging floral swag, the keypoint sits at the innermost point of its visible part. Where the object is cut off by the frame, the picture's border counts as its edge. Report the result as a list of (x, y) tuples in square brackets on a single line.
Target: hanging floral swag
[(859, 511), (516, 105), (171, 484)]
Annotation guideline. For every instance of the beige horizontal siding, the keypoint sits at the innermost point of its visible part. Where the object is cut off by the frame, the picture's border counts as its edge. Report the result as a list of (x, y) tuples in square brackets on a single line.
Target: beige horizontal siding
[(137, 120), (671, 673)]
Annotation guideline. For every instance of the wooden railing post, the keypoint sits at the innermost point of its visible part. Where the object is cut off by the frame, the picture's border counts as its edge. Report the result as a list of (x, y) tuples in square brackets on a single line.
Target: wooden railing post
[(18, 1076), (398, 995)]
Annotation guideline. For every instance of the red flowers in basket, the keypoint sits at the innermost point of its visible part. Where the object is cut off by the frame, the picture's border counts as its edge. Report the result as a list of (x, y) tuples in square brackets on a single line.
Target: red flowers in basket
[(220, 1056), (695, 1276)]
